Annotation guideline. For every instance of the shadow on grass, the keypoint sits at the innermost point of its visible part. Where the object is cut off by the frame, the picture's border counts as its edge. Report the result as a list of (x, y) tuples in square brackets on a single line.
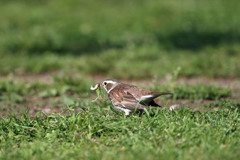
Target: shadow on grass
[(77, 44), (72, 43), (196, 40)]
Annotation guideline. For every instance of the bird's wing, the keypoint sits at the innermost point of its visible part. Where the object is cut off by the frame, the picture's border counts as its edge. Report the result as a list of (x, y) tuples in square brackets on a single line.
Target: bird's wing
[(149, 96), (131, 103), (145, 96), (120, 97)]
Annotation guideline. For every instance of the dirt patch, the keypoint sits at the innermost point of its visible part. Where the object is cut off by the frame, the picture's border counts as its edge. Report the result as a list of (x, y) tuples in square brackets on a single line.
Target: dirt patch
[(34, 104), (31, 106), (48, 78), (29, 78)]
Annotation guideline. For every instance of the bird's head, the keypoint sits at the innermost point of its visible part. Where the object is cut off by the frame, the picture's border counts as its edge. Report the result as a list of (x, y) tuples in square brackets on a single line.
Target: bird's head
[(109, 84)]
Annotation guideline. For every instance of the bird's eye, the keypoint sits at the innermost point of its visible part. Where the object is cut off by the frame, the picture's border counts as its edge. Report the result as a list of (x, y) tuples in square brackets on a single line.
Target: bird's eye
[(105, 83)]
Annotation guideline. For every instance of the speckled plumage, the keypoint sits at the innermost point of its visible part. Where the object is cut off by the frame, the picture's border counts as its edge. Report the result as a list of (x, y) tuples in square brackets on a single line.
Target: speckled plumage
[(127, 97)]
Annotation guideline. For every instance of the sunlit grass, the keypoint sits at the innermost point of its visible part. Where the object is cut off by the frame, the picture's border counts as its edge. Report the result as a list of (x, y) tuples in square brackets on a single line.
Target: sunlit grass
[(98, 132), (149, 39)]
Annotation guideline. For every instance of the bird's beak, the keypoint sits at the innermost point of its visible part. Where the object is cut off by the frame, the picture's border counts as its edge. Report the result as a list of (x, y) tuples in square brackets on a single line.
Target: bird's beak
[(100, 84)]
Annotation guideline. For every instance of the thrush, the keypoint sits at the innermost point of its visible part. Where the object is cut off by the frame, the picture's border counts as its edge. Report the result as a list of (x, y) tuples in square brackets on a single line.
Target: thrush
[(127, 97)]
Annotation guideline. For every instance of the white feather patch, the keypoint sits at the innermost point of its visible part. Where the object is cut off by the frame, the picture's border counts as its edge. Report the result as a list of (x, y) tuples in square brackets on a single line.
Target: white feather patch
[(110, 90), (147, 98), (126, 111), (109, 81)]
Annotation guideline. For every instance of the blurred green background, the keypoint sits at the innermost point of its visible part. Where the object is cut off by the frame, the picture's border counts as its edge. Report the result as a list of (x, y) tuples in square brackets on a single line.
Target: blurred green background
[(128, 39)]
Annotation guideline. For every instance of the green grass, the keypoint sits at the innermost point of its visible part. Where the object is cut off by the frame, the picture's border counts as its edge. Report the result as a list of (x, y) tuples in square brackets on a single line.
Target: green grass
[(100, 133), (148, 39), (223, 104), (14, 91), (86, 130), (201, 92), (136, 63), (80, 26), (198, 91)]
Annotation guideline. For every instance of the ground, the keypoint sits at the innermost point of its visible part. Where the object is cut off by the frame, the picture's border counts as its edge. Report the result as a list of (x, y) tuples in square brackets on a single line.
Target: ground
[(55, 104)]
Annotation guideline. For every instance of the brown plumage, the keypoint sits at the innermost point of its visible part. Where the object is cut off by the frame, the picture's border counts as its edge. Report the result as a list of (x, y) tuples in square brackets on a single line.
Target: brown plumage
[(130, 96), (127, 97)]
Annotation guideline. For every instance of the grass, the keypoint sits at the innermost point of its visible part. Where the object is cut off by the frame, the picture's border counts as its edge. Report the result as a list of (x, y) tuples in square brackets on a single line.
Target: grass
[(223, 104), (14, 91), (78, 42), (71, 27), (99, 133), (86, 130), (148, 39), (200, 91), (129, 63)]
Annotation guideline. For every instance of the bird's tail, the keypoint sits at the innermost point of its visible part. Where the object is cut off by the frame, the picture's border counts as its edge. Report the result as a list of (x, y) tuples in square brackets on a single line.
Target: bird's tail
[(163, 93)]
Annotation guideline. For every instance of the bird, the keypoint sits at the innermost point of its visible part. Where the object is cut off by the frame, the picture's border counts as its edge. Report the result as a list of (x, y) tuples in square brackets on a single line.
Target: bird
[(127, 97)]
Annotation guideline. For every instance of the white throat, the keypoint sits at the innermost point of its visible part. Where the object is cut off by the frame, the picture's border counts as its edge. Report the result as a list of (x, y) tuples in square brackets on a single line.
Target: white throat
[(111, 89)]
